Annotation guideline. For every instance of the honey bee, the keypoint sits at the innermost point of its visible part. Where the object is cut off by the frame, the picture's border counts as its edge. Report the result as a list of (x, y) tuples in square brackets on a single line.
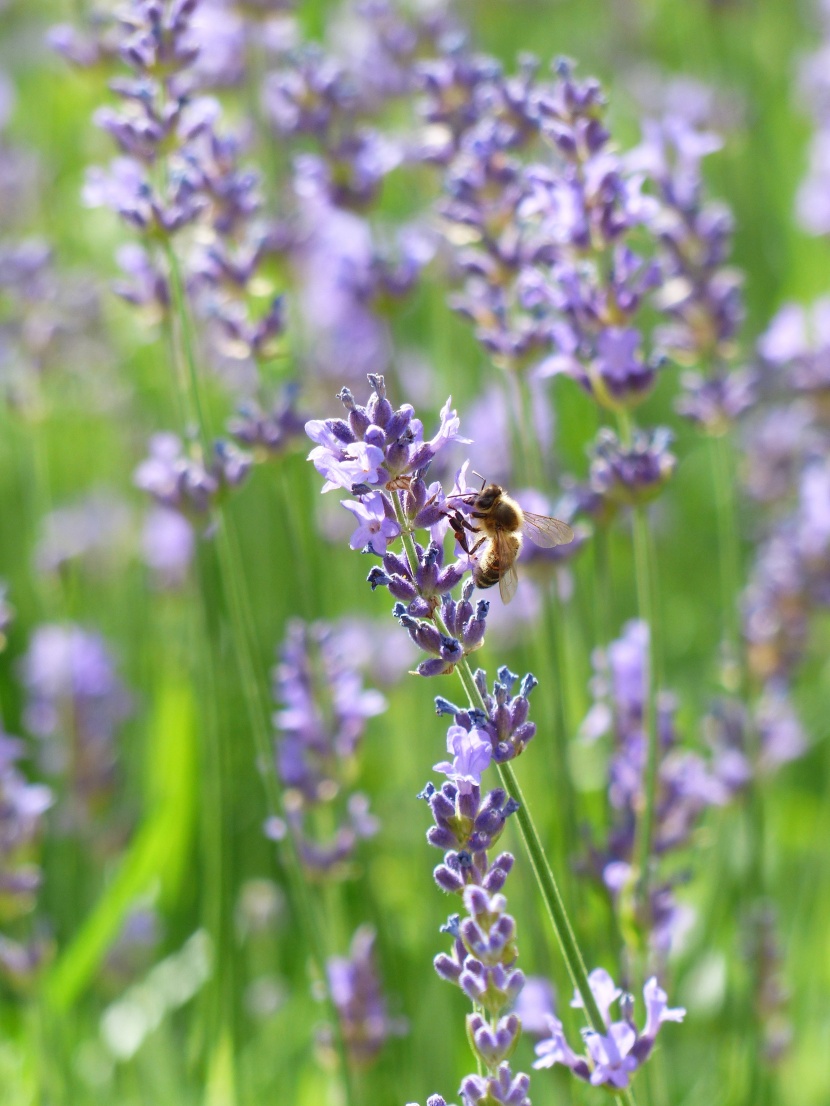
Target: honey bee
[(502, 522)]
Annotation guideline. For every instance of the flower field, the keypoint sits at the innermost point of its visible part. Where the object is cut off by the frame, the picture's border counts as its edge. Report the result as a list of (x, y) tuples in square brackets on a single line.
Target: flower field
[(414, 552)]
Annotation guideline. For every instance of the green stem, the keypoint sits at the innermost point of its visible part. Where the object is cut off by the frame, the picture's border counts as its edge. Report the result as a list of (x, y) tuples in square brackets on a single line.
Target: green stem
[(188, 375), (734, 677), (538, 859), (218, 863), (555, 643), (729, 555)]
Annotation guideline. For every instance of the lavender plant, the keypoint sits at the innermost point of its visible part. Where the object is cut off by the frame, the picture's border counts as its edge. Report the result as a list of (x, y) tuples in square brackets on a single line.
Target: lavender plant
[(76, 702), (380, 453), (320, 724)]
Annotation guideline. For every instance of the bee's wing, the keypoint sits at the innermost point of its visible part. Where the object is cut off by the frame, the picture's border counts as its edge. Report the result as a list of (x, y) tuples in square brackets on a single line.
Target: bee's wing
[(506, 563), (546, 532)]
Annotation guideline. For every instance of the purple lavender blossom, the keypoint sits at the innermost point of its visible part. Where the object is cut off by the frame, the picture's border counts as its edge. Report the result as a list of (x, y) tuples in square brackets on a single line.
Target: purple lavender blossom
[(772, 997), (613, 1058), (75, 704), (163, 122), (167, 546), (464, 624), (377, 436), (797, 343), (377, 527), (482, 960), (538, 302), (357, 995), (96, 529), (701, 295), (506, 721), (687, 784), (268, 430), (179, 480), (320, 723), (23, 806), (635, 473), (716, 402)]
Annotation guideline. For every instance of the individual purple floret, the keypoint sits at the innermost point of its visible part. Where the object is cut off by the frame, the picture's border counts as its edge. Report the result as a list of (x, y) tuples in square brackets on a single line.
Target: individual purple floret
[(470, 751), (536, 1004), (357, 995), (320, 723), (22, 809), (612, 1059), (76, 702)]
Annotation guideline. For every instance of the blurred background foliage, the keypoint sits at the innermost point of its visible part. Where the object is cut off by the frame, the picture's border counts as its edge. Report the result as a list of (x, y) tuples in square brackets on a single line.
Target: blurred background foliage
[(177, 810)]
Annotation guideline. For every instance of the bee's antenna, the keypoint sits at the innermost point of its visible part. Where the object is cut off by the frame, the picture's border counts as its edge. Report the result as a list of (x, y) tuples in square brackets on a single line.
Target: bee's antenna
[(481, 478)]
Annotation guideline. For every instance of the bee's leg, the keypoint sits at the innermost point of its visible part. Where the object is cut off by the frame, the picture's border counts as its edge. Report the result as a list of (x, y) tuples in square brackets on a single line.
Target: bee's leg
[(460, 525)]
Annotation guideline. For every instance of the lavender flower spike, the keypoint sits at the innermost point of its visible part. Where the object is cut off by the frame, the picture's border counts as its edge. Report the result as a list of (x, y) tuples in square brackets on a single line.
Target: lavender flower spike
[(356, 991), (320, 724)]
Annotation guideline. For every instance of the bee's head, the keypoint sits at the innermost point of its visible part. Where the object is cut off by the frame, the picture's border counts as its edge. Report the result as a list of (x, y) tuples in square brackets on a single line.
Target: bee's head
[(488, 497)]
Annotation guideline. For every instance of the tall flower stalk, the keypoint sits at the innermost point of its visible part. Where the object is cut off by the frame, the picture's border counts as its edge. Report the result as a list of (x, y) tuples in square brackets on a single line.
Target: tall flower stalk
[(380, 455)]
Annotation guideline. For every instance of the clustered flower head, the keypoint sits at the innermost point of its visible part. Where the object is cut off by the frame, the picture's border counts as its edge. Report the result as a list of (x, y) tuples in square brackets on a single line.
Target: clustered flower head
[(701, 294), (319, 724), (614, 1057), (22, 809), (358, 997), (504, 724), (633, 473), (787, 471), (687, 783), (379, 448), (76, 702), (180, 479)]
